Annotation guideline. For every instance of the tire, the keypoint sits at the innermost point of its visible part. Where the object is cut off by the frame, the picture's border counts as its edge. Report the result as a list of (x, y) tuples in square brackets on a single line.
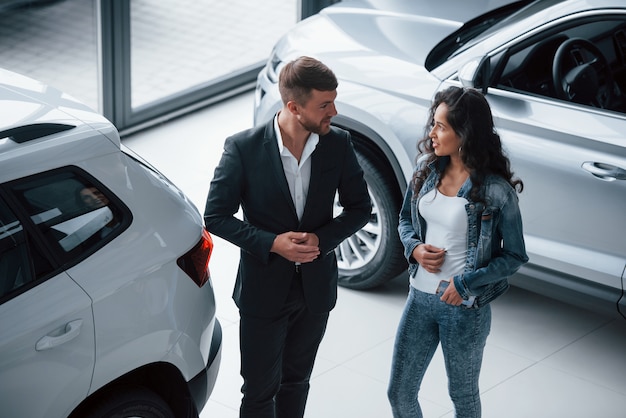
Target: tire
[(132, 402), (373, 255)]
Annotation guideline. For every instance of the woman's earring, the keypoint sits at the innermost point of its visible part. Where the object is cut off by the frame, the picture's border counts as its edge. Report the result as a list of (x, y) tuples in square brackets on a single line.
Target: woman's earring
[(460, 149)]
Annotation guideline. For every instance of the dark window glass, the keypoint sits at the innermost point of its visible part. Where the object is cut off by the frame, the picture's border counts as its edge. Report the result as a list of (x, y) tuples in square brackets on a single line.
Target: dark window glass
[(591, 71), (19, 264), (75, 216)]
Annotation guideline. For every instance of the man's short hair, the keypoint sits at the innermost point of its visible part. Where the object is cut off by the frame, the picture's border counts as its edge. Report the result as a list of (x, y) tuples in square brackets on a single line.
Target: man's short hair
[(300, 76)]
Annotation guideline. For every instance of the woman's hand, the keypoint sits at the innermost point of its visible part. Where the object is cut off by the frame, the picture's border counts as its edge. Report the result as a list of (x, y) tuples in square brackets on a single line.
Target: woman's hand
[(451, 296), (429, 257)]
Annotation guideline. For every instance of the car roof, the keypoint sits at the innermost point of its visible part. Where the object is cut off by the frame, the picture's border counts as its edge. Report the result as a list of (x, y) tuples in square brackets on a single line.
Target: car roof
[(39, 119), (26, 101)]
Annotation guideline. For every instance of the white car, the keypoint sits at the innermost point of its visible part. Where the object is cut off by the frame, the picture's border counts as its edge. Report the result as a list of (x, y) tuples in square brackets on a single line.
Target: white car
[(106, 302)]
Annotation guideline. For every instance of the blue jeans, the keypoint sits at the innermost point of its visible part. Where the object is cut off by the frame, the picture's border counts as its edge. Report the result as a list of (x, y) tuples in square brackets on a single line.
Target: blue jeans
[(425, 322)]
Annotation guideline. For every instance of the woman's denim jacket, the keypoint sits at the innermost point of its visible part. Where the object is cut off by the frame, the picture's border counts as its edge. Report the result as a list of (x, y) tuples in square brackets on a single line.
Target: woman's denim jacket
[(495, 248)]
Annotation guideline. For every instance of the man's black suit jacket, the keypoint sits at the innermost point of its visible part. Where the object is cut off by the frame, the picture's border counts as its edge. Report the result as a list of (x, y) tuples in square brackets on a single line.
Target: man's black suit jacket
[(250, 175)]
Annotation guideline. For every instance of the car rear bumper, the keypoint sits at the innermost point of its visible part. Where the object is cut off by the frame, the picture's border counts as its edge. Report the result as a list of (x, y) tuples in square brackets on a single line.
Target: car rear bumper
[(201, 386)]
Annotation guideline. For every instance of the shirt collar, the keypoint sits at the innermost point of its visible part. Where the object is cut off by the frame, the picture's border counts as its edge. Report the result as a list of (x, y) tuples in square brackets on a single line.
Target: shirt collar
[(311, 141)]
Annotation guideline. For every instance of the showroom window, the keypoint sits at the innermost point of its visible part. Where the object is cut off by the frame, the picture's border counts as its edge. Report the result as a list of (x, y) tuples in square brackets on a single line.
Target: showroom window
[(54, 42), (142, 61)]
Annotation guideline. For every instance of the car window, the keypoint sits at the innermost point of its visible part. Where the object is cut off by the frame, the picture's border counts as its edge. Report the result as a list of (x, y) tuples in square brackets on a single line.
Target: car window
[(75, 215), (583, 63), (19, 264)]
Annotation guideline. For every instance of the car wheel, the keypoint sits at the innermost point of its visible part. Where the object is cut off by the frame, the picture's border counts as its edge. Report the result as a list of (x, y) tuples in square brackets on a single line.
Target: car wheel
[(135, 402), (373, 255)]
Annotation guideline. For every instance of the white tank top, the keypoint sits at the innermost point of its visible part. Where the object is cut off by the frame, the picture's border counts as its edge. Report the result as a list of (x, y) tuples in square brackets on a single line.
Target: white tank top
[(446, 221)]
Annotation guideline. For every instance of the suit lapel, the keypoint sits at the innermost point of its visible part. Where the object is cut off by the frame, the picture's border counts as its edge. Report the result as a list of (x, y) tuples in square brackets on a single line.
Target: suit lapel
[(316, 181), (277, 170), (316, 177)]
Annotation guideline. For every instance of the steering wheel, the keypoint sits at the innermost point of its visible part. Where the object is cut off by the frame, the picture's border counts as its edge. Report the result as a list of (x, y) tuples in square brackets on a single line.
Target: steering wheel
[(587, 79)]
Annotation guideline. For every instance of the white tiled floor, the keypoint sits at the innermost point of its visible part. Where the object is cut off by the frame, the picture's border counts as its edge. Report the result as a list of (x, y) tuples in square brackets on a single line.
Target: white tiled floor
[(543, 359)]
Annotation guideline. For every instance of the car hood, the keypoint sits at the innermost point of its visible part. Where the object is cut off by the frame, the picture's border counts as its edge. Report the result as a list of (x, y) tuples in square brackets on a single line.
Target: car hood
[(380, 44), (405, 30)]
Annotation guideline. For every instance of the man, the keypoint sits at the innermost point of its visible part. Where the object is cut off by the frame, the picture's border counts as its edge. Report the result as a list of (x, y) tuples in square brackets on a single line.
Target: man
[(284, 176)]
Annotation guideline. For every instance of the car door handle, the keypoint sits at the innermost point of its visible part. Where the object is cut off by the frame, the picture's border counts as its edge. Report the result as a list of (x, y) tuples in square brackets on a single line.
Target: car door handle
[(71, 331), (604, 171)]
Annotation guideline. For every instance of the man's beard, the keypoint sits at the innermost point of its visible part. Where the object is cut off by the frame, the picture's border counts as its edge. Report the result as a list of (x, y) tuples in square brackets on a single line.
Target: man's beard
[(319, 129)]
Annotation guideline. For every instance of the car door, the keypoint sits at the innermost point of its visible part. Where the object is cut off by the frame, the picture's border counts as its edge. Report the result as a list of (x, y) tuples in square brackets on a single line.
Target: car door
[(46, 330), (572, 159), (573, 164)]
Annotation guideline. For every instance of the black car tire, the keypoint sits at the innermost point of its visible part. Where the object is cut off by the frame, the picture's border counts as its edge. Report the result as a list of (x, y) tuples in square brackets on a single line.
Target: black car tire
[(386, 261), (133, 402)]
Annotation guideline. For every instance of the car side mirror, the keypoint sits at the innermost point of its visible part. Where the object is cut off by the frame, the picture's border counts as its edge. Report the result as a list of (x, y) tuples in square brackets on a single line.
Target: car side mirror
[(475, 74)]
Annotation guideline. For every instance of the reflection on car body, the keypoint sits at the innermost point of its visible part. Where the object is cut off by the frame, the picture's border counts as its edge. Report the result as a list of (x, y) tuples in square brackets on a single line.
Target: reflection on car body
[(554, 73)]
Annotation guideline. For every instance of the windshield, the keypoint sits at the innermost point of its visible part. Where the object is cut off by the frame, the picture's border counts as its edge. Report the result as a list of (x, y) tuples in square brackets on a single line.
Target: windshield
[(470, 30)]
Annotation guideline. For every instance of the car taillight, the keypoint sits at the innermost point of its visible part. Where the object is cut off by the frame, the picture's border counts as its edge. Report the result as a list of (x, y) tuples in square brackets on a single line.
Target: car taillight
[(196, 262)]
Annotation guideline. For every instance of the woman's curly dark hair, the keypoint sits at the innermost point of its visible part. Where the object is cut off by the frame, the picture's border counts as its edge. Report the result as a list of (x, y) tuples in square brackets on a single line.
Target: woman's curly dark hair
[(470, 116)]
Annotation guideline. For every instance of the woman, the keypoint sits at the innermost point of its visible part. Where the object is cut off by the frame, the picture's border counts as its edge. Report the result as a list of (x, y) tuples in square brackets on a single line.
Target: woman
[(462, 234)]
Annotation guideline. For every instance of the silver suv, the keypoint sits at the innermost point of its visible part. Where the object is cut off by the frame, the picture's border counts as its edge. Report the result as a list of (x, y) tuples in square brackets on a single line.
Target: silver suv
[(106, 302)]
